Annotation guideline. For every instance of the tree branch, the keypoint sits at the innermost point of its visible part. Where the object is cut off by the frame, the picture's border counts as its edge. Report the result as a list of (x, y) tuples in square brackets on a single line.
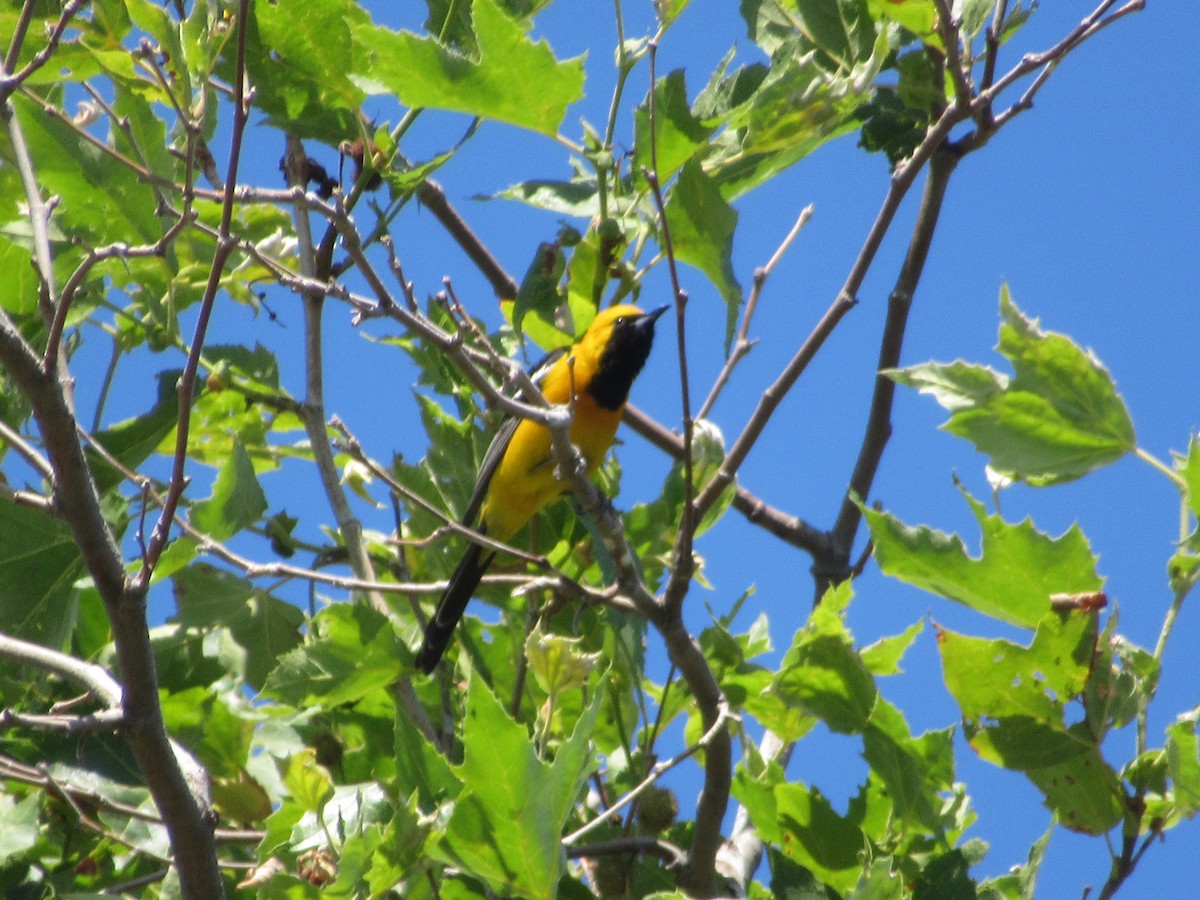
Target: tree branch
[(834, 565)]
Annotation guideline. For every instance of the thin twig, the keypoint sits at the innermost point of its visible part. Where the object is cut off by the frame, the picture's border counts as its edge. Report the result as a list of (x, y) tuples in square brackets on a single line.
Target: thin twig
[(625, 846), (742, 344), (948, 30), (657, 772), (243, 97), (834, 567), (26, 451), (682, 560), (9, 83)]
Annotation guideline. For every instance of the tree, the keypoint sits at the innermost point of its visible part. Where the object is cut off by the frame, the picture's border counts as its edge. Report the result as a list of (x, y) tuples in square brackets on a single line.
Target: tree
[(272, 736)]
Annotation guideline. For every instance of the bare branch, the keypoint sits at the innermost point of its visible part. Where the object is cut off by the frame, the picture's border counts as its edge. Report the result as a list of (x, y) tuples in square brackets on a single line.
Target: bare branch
[(657, 772), (743, 345), (791, 529), (89, 676), (26, 451), (430, 193), (682, 560), (664, 850), (243, 97), (9, 83), (948, 30), (834, 566)]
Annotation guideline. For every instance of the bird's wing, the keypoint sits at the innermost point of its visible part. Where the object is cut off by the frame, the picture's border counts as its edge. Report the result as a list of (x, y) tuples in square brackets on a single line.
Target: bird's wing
[(504, 434)]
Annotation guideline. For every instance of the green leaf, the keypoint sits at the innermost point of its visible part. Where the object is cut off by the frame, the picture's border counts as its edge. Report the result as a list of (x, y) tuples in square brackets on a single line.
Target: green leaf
[(916, 771), (1058, 418), (1117, 693), (897, 117), (207, 724), (823, 674), (945, 878), (678, 133), (307, 782), (702, 229), (918, 16), (19, 826), (879, 881), (513, 79), (39, 564), (144, 135), (1188, 468), (237, 499), (1020, 881), (791, 881), (996, 678), (1013, 578), (421, 768), (775, 117), (883, 657), (842, 32), (132, 441), (300, 55), (540, 292), (19, 277), (1014, 702), (100, 199), (578, 198), (973, 15), (264, 627), (814, 835), (1183, 763), (353, 652), (507, 827)]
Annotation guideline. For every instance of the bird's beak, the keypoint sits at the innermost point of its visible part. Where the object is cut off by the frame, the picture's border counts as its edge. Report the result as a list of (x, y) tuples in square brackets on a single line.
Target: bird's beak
[(653, 315)]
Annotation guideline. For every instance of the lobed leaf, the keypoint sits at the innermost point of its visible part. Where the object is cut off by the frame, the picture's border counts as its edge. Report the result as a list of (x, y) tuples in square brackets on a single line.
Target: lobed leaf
[(1058, 418), (512, 79), (702, 230), (1018, 568)]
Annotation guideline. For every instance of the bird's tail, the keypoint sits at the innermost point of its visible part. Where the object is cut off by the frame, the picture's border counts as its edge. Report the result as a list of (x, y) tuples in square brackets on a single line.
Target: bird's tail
[(452, 605)]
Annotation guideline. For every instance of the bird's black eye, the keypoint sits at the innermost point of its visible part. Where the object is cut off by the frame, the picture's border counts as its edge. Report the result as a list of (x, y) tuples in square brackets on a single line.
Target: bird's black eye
[(620, 320)]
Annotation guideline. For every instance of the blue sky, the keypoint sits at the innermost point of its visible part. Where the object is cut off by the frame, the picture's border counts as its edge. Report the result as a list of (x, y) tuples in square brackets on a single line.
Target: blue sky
[(1085, 206)]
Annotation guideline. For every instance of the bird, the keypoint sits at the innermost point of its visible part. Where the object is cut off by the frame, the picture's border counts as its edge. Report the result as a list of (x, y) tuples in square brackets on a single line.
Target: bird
[(518, 474)]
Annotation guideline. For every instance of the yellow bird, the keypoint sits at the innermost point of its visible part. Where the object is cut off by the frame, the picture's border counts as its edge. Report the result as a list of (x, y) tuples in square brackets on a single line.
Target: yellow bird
[(518, 477)]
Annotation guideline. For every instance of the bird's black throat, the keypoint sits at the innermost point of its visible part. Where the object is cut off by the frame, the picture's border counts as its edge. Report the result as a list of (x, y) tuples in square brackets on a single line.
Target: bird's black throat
[(622, 360)]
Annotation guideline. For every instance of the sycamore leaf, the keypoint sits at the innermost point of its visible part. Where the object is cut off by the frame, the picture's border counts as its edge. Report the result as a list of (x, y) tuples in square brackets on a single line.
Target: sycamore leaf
[(678, 133), (823, 675), (264, 627), (506, 828), (39, 564), (1011, 580), (702, 230), (1014, 702), (1058, 418), (237, 499), (513, 79), (354, 651)]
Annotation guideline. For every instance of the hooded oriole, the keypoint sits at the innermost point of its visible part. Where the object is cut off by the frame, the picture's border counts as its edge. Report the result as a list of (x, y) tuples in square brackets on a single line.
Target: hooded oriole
[(517, 477)]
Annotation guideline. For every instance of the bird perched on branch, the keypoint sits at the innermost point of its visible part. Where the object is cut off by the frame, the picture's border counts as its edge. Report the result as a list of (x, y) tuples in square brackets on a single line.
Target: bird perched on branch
[(518, 475)]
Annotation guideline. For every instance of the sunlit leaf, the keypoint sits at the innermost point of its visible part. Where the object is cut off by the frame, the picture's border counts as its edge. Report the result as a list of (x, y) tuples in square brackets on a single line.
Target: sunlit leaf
[(1014, 702), (678, 133), (1011, 580), (1058, 418), (354, 651), (39, 564), (506, 785), (513, 79), (823, 674), (263, 626), (702, 229), (237, 499)]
